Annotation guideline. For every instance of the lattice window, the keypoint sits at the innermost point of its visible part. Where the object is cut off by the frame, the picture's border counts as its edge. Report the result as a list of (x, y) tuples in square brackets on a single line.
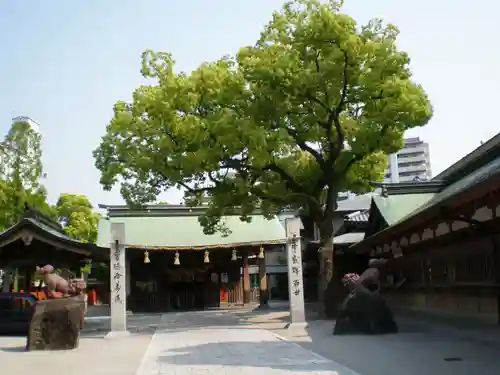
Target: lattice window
[(475, 268)]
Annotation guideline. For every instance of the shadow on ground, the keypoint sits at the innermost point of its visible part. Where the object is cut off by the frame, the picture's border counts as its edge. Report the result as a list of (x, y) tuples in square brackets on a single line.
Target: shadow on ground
[(215, 354), (425, 344)]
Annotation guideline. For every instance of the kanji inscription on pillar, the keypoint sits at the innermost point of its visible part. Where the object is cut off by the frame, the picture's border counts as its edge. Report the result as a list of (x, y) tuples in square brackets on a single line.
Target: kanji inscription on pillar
[(118, 279), (117, 274), (295, 278)]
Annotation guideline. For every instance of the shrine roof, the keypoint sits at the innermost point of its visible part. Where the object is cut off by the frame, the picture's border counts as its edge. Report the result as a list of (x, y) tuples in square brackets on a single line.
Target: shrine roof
[(395, 207), (348, 238), (44, 230), (185, 232), (482, 176)]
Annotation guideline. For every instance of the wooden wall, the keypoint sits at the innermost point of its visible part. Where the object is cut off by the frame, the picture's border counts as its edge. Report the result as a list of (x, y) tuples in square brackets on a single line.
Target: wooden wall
[(457, 278)]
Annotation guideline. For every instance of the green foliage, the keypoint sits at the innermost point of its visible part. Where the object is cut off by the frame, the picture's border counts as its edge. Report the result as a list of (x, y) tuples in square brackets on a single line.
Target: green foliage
[(20, 188), (76, 214), (20, 173), (310, 110), (22, 156), (86, 269)]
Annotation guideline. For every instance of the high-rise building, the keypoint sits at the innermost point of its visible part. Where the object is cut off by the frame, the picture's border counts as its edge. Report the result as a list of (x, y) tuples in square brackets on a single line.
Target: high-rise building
[(411, 163), (24, 119)]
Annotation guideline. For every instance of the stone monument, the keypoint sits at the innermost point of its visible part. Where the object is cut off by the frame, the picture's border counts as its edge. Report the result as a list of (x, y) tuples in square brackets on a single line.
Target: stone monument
[(364, 310), (295, 275), (118, 283), (57, 321)]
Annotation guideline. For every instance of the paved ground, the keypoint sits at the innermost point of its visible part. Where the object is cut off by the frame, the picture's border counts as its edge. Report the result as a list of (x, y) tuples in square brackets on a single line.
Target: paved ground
[(217, 343), (244, 342), (422, 347), (95, 356)]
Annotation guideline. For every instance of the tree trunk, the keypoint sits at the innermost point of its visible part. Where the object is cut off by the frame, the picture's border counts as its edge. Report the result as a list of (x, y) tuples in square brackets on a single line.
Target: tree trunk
[(331, 291)]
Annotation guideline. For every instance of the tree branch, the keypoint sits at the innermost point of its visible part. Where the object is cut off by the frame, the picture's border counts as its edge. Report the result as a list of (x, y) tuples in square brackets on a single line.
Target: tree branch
[(305, 147)]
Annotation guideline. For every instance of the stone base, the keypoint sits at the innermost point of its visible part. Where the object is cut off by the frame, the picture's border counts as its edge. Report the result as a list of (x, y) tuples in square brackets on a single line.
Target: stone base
[(55, 324), (333, 296), (117, 335), (366, 313)]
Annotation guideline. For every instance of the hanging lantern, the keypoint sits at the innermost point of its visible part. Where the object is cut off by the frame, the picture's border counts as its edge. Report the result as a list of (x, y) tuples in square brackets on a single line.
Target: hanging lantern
[(146, 257), (234, 255), (261, 252), (177, 262), (206, 259)]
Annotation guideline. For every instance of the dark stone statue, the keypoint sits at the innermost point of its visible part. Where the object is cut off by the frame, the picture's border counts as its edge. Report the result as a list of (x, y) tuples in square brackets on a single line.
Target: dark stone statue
[(57, 321), (364, 310)]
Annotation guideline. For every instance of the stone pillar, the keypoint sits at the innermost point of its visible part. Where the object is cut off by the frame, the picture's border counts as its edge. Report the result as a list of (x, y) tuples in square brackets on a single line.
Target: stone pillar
[(118, 282), (246, 279), (295, 280), (264, 293)]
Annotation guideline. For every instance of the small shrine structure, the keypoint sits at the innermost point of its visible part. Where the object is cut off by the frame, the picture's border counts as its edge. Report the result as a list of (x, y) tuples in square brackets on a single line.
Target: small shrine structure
[(39, 240)]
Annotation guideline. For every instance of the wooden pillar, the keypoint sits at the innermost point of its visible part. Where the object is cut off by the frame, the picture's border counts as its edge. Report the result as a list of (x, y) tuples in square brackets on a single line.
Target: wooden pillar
[(264, 293), (7, 281), (28, 280), (246, 279), (15, 280)]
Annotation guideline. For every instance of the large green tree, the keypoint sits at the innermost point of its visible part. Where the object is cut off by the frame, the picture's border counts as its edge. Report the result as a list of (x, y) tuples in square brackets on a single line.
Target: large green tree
[(20, 175), (310, 110), (77, 216)]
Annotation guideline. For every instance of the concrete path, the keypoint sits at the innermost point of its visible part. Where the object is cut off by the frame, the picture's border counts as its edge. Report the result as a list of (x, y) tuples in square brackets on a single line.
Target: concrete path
[(217, 343), (95, 355), (420, 347)]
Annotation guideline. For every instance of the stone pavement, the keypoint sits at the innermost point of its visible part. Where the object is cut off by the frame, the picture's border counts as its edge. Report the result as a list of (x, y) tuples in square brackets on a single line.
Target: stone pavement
[(95, 356), (422, 347), (213, 342)]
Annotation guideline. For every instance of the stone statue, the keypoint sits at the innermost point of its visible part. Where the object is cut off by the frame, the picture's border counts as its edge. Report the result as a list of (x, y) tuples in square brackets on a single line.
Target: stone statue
[(56, 283), (57, 321), (364, 310)]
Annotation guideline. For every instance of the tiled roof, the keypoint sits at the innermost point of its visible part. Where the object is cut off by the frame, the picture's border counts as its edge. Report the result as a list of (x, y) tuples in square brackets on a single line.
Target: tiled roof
[(348, 238), (395, 207), (359, 203), (185, 232), (395, 215), (49, 232)]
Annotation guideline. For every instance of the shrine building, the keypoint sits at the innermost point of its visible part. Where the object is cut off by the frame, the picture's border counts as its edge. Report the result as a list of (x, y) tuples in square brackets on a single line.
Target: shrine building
[(37, 240), (170, 264), (442, 238)]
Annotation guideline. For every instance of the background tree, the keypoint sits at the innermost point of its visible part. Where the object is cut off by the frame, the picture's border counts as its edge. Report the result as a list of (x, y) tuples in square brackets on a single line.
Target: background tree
[(20, 174), (311, 110), (77, 216)]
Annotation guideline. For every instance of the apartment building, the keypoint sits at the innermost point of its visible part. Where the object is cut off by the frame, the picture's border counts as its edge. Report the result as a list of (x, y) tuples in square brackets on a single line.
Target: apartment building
[(411, 163)]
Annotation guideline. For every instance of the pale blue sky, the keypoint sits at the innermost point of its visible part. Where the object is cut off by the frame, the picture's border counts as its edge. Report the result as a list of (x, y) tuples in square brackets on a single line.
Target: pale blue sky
[(64, 63)]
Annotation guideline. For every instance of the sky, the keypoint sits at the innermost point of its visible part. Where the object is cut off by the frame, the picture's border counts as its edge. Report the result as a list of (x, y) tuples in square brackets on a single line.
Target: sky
[(65, 63)]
